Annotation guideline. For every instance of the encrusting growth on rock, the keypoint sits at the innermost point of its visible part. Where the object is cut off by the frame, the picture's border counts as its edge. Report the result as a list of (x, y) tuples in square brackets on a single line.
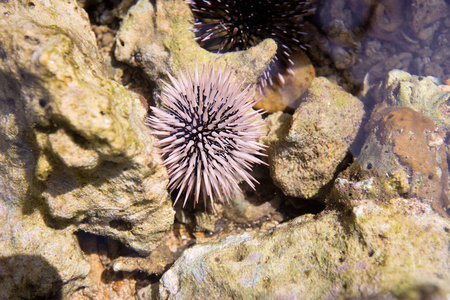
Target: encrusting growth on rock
[(208, 133)]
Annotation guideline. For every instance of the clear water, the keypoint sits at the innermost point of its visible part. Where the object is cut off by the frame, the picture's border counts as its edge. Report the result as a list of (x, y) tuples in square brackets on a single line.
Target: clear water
[(395, 57)]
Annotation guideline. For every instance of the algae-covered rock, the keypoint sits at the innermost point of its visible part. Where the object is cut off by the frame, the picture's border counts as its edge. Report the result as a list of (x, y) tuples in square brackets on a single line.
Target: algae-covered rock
[(38, 259), (74, 151), (423, 94), (157, 36), (407, 149), (366, 251), (304, 158), (74, 154)]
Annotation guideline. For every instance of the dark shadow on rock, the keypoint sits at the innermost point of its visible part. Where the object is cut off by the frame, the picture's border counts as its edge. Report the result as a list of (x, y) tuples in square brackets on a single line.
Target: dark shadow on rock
[(17, 145), (344, 164), (29, 277), (25, 101), (107, 250), (102, 245), (17, 92), (317, 203), (293, 207), (266, 191), (288, 207)]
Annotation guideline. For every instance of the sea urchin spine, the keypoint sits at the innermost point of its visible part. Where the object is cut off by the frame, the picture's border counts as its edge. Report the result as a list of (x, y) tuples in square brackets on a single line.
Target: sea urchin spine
[(231, 25), (208, 133)]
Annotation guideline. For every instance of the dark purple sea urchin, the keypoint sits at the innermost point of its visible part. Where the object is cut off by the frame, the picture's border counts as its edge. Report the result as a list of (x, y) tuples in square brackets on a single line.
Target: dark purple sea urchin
[(231, 25), (208, 133)]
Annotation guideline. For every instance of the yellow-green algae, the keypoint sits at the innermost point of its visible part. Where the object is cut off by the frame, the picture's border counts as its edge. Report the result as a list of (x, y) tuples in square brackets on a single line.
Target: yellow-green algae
[(304, 159), (365, 251), (93, 158), (163, 35)]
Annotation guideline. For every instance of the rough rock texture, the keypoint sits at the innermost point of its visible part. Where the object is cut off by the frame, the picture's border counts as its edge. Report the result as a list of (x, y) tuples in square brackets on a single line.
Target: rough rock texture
[(408, 148), (426, 16), (304, 158), (94, 161), (423, 94), (74, 153), (368, 250), (156, 36), (243, 208), (36, 261)]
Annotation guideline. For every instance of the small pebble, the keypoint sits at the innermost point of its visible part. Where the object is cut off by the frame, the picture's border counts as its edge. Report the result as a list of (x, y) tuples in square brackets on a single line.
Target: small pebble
[(107, 39)]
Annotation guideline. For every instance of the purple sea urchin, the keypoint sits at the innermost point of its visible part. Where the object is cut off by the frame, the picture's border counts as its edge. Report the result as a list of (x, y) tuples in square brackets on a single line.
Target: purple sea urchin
[(230, 25), (208, 133)]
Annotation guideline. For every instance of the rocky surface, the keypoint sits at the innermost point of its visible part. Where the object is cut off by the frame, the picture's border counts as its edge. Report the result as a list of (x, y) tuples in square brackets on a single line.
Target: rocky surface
[(427, 95), (84, 210), (161, 42), (94, 164), (364, 251), (37, 260), (304, 156), (408, 149), (75, 154)]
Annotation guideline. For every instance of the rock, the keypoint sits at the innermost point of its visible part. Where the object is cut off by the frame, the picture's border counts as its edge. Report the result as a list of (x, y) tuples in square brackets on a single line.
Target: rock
[(426, 13), (304, 157), (287, 96), (406, 148), (15, 272), (74, 152), (409, 149), (422, 94), (368, 250), (96, 166), (245, 209), (37, 260), (163, 42)]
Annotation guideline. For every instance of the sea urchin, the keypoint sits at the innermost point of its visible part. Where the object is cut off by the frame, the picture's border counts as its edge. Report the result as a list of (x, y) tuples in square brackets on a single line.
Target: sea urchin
[(231, 25), (208, 133)]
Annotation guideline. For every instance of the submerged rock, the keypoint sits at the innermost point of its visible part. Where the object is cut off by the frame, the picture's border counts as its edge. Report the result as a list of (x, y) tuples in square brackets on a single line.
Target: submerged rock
[(426, 16), (422, 94), (368, 250), (305, 154), (405, 150), (408, 148)]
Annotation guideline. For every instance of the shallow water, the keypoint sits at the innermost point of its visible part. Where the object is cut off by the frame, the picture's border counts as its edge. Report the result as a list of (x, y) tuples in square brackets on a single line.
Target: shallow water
[(392, 55), (364, 46)]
